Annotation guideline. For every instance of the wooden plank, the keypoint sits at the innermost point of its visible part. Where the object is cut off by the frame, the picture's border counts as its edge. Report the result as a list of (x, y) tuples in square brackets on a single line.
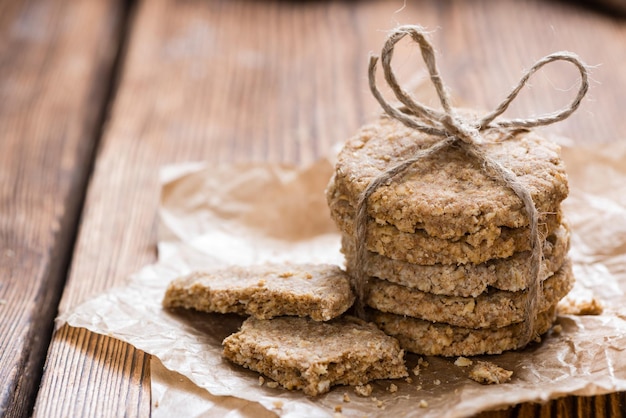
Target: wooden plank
[(56, 59), (227, 81)]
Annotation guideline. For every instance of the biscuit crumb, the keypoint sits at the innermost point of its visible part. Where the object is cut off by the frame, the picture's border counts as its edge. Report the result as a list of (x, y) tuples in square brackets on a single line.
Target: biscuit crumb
[(557, 329), (272, 385), (488, 373), (392, 388), (423, 404), (418, 388), (436, 382), (416, 370), (422, 362), (261, 380), (261, 283), (278, 404), (286, 274), (363, 390), (409, 380), (378, 402), (338, 408), (346, 398), (308, 276), (463, 362), (591, 306)]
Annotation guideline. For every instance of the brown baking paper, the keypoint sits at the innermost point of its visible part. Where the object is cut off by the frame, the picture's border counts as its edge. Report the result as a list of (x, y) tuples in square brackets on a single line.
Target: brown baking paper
[(247, 214)]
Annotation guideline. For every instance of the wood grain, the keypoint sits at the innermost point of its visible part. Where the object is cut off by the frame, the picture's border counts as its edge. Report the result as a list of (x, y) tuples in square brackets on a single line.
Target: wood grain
[(280, 81), (55, 63)]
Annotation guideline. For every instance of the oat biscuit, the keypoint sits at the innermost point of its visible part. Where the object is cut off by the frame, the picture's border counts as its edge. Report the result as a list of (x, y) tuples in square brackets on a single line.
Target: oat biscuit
[(464, 279), (436, 339), (319, 291), (313, 356), (420, 248), (493, 309), (447, 194), (343, 214)]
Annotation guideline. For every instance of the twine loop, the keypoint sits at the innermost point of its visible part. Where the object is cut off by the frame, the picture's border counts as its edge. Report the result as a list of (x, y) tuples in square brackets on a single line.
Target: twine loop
[(455, 129)]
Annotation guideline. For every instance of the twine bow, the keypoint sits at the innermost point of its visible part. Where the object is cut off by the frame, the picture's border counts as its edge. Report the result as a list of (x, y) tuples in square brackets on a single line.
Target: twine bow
[(457, 130)]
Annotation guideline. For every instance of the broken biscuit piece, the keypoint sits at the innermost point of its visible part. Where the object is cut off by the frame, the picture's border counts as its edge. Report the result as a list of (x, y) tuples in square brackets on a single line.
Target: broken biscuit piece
[(313, 356), (319, 291)]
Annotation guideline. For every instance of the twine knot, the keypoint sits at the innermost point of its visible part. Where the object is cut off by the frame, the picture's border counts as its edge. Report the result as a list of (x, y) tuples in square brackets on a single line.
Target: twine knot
[(462, 129), (453, 128)]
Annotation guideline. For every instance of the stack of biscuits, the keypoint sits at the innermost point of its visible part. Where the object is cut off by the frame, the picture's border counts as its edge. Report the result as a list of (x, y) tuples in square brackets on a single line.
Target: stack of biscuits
[(448, 243)]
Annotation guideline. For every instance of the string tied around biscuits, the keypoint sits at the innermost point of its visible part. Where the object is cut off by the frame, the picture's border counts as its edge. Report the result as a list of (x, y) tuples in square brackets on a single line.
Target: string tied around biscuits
[(466, 133)]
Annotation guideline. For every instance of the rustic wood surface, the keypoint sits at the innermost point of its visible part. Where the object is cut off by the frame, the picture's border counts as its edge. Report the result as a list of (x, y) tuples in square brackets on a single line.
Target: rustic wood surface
[(222, 81), (56, 59)]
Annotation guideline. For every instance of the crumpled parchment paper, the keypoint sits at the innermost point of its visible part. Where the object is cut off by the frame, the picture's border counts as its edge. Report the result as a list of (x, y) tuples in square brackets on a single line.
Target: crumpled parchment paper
[(247, 214)]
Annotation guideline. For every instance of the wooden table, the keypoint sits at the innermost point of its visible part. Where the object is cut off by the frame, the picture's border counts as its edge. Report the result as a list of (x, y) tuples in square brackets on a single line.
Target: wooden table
[(96, 95)]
